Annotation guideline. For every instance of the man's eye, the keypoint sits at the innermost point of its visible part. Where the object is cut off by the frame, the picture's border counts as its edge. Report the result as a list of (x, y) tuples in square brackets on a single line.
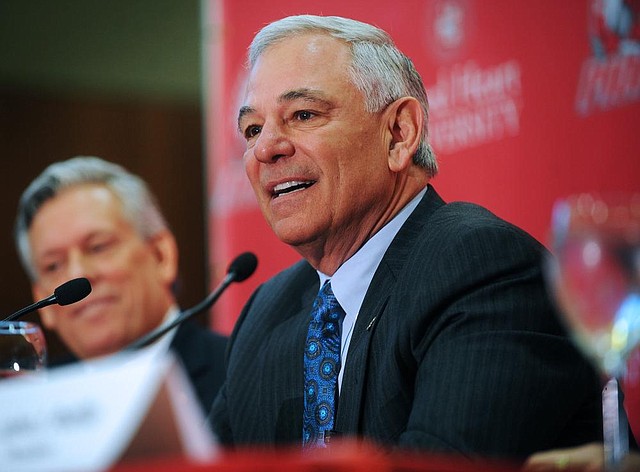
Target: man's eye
[(50, 267), (252, 131), (101, 246), (304, 115)]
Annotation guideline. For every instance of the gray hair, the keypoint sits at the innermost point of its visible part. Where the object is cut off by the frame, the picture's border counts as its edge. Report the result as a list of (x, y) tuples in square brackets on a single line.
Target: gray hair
[(379, 69), (138, 203)]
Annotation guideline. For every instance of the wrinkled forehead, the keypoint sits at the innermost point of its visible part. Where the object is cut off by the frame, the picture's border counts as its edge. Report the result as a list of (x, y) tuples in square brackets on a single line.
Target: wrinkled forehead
[(308, 62), (306, 43), (301, 57)]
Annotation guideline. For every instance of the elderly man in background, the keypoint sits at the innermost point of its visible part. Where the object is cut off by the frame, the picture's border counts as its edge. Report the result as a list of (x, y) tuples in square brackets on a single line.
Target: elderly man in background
[(85, 217)]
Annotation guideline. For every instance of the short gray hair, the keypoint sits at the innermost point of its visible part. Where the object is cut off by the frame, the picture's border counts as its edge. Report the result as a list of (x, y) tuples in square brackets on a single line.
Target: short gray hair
[(378, 69), (138, 203)]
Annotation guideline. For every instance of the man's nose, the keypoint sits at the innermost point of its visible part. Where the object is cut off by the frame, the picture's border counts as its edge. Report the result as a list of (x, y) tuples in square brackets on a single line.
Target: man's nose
[(272, 144), (79, 265)]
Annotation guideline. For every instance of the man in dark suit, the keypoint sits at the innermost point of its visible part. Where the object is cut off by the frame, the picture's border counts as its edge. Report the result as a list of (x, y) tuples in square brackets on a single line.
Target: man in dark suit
[(447, 339), (86, 217)]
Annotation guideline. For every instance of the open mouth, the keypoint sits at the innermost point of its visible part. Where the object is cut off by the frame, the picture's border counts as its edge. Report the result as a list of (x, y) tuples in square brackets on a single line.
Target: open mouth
[(94, 307), (290, 187)]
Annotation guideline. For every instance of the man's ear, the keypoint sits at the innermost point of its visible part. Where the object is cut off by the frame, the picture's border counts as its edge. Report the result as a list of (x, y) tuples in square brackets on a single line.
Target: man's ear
[(165, 250), (47, 315), (405, 121)]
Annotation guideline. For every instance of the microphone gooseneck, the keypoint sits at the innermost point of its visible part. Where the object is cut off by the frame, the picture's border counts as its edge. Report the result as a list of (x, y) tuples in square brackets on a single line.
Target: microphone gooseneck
[(66, 294), (240, 269)]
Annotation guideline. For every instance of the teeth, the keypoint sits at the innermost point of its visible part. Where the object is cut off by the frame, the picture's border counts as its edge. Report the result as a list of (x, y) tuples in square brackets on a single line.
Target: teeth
[(291, 186), (287, 185)]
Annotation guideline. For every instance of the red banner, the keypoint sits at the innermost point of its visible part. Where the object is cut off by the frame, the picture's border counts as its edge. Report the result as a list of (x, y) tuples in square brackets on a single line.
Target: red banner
[(530, 101)]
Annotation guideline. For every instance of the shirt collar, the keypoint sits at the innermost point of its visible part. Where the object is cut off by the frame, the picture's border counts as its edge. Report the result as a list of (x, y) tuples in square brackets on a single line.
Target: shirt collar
[(352, 279)]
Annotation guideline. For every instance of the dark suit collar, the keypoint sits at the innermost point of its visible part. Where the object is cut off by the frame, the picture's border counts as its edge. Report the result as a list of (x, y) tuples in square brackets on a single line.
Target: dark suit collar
[(396, 255), (373, 308), (394, 259)]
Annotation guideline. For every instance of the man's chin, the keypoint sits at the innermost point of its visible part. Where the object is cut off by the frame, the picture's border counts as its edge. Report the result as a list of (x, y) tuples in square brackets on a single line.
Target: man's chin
[(101, 348), (294, 233)]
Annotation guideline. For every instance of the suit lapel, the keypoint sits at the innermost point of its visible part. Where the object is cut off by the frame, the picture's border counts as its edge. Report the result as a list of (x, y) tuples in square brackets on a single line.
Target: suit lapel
[(373, 308)]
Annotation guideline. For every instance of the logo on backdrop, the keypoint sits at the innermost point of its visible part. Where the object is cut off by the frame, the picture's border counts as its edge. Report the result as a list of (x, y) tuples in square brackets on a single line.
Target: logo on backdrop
[(610, 78), (470, 105), (473, 105), (449, 28)]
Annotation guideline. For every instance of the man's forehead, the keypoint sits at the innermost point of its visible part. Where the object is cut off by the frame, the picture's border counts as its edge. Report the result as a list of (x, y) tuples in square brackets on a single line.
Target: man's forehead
[(304, 94), (300, 55), (306, 43)]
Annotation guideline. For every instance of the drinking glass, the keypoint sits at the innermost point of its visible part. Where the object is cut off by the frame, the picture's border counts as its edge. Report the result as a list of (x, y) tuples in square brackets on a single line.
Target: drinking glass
[(595, 276), (22, 348)]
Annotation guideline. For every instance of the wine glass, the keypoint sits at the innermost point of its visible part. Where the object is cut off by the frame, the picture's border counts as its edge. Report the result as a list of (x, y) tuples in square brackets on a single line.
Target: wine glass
[(595, 276), (23, 348)]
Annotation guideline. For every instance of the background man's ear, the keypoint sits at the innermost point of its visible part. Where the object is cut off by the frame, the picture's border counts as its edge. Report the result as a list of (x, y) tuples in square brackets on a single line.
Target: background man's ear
[(166, 251)]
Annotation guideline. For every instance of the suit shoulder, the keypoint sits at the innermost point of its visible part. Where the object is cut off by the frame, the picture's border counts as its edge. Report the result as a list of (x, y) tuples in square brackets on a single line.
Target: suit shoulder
[(460, 221), (474, 237)]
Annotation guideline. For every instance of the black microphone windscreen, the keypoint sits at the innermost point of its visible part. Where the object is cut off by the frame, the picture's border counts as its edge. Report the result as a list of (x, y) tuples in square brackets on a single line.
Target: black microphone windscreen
[(243, 266), (72, 291)]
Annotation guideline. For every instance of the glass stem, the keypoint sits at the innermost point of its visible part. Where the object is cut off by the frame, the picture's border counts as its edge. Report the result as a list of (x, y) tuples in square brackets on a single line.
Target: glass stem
[(615, 426)]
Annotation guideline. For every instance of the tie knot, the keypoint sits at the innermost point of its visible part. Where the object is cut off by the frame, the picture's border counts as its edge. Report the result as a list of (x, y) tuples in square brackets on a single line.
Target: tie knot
[(326, 306)]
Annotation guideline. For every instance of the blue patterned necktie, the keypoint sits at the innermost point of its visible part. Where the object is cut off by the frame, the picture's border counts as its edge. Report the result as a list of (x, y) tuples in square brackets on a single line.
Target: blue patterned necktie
[(321, 367)]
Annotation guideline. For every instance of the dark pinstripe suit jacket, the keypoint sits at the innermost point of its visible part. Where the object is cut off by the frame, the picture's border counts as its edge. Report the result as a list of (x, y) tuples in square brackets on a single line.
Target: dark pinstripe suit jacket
[(456, 348)]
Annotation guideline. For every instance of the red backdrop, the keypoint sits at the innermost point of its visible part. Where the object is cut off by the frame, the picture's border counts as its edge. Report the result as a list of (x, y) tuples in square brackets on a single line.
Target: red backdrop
[(530, 101), (522, 111)]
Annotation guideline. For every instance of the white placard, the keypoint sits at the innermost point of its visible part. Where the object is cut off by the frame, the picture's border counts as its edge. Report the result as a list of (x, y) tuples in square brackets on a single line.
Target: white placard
[(89, 416)]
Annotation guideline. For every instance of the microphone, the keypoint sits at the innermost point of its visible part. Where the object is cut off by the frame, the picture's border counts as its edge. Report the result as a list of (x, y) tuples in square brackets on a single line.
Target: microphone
[(240, 269), (66, 294)]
